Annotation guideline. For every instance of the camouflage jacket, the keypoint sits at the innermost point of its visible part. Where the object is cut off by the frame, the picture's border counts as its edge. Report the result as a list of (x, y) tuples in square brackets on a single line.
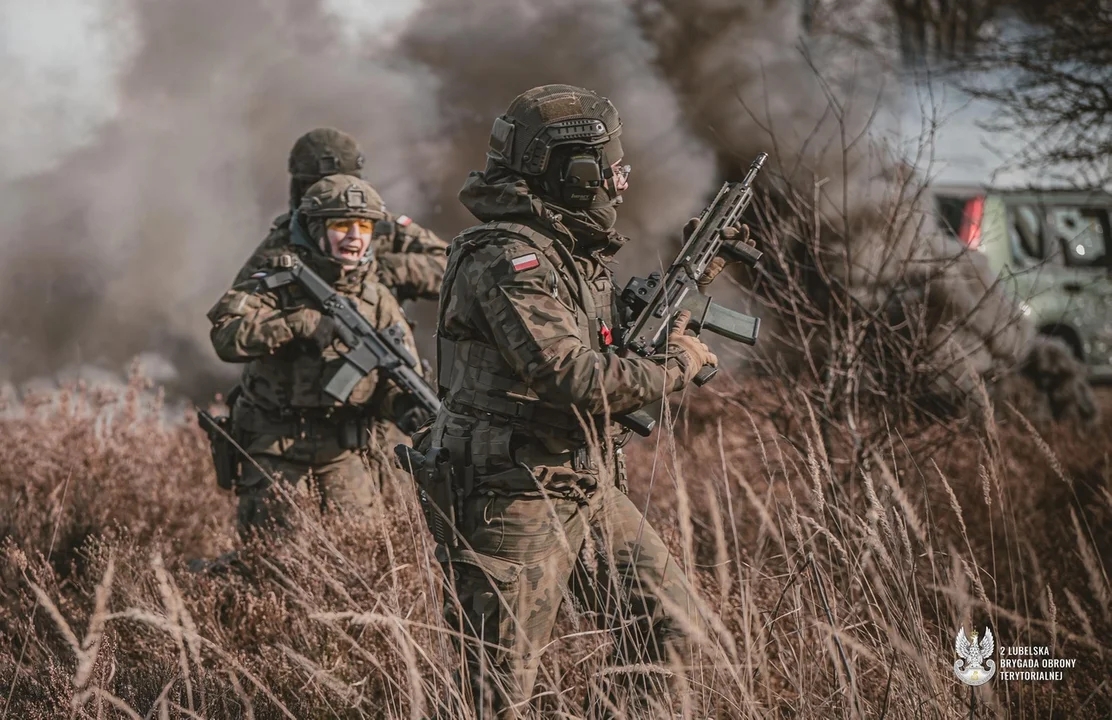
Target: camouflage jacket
[(527, 315), (410, 258), (284, 376)]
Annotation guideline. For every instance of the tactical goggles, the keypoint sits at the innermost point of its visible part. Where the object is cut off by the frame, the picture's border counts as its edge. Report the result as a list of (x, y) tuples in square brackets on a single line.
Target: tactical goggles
[(621, 172), (363, 226)]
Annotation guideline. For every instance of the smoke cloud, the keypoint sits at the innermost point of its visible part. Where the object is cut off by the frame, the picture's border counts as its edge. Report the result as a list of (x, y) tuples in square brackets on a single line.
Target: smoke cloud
[(738, 79), (125, 242), (485, 54), (123, 245)]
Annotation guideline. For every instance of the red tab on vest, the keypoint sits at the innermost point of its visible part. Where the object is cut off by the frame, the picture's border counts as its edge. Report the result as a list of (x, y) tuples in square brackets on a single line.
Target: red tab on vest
[(525, 262), (605, 334)]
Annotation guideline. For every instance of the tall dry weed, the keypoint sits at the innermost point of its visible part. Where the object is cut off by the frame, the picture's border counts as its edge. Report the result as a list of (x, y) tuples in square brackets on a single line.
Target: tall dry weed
[(835, 544)]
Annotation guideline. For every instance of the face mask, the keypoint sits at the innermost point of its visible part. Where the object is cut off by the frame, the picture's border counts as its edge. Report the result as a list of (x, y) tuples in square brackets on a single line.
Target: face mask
[(604, 217)]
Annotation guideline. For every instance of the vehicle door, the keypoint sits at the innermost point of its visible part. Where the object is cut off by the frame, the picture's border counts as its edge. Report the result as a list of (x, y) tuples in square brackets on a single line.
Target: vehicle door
[(1080, 230)]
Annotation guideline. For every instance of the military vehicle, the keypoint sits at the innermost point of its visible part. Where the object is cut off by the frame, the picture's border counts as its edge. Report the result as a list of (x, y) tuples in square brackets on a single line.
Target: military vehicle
[(1052, 249)]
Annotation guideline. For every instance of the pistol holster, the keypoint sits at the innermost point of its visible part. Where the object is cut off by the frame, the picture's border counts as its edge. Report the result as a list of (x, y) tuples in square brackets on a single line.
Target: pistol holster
[(225, 456), (436, 489)]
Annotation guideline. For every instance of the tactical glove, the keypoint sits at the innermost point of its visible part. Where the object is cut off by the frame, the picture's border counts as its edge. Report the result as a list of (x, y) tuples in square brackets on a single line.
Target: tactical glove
[(303, 322), (326, 332), (309, 324), (738, 233), (411, 420), (690, 351)]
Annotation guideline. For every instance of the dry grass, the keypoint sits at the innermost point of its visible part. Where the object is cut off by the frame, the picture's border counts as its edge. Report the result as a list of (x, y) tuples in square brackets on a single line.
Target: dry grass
[(827, 595)]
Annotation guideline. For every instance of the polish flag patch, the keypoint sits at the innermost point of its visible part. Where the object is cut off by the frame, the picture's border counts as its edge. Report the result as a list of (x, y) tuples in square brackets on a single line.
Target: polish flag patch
[(404, 220), (525, 262), (605, 334)]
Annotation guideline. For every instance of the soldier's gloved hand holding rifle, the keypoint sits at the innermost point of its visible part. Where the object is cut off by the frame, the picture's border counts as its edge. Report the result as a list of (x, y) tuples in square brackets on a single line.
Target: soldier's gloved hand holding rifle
[(679, 341), (310, 324), (694, 352), (324, 329), (411, 420), (737, 234), (368, 347), (676, 299)]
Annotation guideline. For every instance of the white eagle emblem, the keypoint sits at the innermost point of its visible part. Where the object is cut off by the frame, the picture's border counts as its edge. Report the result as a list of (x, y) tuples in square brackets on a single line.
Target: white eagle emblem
[(975, 656)]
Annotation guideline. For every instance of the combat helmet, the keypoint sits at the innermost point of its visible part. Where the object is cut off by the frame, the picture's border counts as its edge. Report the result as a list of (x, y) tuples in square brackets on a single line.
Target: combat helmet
[(319, 153), (564, 140), (338, 197)]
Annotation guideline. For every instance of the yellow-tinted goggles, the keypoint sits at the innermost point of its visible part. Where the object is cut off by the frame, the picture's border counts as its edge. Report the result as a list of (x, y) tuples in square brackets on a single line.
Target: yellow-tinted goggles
[(362, 225)]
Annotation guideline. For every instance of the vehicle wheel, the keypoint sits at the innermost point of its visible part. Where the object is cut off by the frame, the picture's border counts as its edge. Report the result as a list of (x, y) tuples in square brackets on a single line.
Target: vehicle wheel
[(1067, 335)]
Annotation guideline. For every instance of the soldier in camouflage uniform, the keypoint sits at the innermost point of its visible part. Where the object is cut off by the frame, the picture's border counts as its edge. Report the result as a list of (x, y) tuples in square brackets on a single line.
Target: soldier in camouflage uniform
[(284, 420), (527, 372), (410, 258)]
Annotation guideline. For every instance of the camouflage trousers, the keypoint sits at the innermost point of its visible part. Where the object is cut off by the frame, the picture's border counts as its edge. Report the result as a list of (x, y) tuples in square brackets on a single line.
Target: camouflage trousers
[(345, 481), (524, 557)]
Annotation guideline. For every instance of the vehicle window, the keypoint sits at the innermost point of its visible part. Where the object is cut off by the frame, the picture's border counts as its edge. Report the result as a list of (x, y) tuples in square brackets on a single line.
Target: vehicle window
[(950, 212), (1082, 233), (1025, 229)]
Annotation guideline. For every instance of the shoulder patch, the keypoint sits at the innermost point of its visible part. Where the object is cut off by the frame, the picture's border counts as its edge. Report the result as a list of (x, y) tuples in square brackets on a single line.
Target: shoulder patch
[(525, 262), (404, 220)]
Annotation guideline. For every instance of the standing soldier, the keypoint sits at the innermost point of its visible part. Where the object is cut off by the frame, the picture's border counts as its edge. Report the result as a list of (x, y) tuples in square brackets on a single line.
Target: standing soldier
[(527, 374), (282, 416), (410, 258)]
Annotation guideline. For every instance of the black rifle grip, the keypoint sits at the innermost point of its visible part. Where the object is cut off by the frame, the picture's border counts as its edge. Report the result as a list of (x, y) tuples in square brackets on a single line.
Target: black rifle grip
[(638, 421), (705, 375), (409, 459), (741, 252), (347, 337)]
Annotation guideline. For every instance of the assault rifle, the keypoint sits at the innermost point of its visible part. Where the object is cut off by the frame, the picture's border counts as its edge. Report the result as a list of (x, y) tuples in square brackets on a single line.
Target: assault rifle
[(655, 300), (368, 348)]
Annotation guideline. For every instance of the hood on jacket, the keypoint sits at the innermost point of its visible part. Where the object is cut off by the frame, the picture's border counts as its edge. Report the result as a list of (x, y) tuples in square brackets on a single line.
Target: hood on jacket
[(498, 194)]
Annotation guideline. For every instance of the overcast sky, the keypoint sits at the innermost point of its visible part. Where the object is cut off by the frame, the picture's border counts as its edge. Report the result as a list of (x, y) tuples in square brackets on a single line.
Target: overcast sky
[(66, 53)]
